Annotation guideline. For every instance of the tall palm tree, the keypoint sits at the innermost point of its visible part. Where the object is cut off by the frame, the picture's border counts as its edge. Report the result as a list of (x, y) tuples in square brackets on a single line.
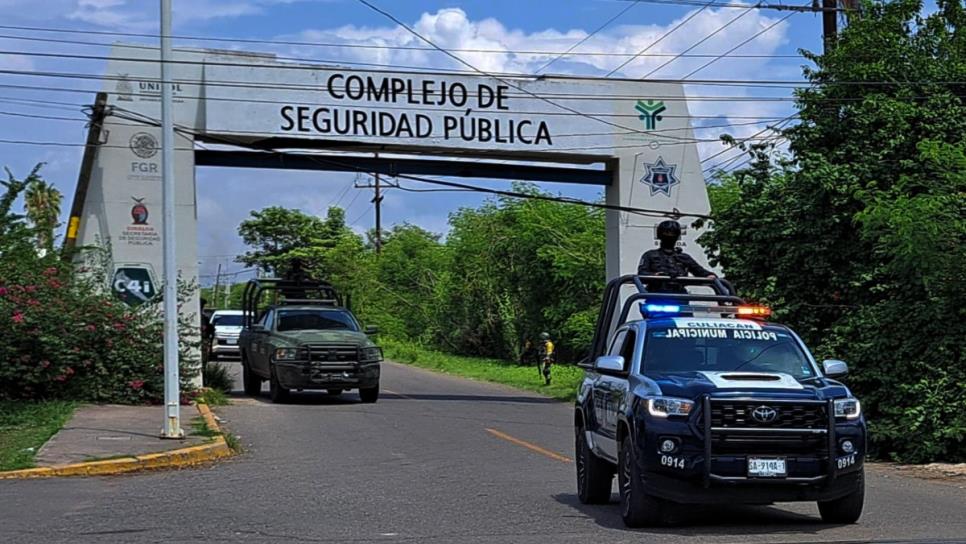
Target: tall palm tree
[(42, 203)]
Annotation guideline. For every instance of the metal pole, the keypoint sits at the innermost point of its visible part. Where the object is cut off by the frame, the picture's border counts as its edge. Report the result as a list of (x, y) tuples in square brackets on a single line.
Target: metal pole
[(172, 389), (378, 201), (215, 293)]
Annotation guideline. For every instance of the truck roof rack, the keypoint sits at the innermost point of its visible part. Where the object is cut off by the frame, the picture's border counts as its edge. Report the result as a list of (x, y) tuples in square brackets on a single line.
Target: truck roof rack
[(724, 294), (294, 291)]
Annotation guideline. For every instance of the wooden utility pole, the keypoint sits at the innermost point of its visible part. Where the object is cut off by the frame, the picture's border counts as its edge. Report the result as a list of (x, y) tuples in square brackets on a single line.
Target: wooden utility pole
[(94, 131), (377, 200), (829, 23), (214, 295)]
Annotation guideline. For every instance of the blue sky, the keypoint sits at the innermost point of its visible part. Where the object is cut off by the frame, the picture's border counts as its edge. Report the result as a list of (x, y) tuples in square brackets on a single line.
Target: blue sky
[(226, 196)]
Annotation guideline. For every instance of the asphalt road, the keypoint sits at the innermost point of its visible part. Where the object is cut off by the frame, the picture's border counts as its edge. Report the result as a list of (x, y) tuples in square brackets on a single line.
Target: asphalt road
[(437, 459)]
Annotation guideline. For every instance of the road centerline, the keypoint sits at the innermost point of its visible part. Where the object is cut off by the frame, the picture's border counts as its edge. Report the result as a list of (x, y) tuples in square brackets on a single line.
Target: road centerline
[(529, 445)]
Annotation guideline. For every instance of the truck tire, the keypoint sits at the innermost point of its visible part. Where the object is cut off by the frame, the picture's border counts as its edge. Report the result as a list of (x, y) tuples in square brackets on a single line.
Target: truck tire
[(594, 475), (847, 509), (369, 395), (251, 382), (277, 393), (638, 509)]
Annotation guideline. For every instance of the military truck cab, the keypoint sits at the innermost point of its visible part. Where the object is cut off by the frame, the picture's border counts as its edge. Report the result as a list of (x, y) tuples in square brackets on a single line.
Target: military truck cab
[(698, 399), (297, 335)]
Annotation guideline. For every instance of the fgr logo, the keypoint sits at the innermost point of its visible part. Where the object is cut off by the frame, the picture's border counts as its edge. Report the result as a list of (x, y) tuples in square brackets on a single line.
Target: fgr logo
[(650, 112), (144, 145)]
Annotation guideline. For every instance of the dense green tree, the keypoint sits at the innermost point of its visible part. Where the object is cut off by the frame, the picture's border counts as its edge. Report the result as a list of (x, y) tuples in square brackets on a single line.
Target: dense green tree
[(42, 205), (859, 239)]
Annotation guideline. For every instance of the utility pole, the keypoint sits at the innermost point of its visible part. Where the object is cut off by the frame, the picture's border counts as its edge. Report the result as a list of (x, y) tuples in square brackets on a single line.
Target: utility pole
[(829, 23), (215, 293), (378, 202), (172, 386)]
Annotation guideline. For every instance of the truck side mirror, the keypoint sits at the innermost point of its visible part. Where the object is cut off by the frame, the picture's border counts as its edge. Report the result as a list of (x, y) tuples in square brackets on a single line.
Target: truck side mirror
[(609, 363), (834, 368), (371, 330), (258, 328)]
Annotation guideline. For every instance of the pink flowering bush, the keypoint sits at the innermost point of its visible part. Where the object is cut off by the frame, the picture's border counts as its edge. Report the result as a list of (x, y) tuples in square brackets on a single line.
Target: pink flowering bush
[(64, 336)]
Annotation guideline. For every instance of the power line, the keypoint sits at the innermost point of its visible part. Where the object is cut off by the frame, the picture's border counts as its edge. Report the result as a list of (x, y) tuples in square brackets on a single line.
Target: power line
[(759, 5), (587, 37), (657, 41), (702, 40), (320, 45), (728, 52)]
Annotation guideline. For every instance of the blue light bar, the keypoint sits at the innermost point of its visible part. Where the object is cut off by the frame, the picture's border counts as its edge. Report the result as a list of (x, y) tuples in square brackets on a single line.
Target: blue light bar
[(662, 308)]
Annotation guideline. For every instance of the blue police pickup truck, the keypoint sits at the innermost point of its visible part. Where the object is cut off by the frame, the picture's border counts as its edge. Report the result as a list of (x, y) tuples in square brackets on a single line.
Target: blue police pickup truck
[(697, 399)]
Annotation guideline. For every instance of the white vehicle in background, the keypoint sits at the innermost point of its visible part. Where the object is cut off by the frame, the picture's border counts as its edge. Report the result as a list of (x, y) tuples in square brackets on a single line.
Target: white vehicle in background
[(227, 324)]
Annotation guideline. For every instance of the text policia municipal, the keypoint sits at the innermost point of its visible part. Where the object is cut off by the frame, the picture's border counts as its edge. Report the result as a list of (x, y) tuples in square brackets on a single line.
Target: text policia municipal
[(469, 126)]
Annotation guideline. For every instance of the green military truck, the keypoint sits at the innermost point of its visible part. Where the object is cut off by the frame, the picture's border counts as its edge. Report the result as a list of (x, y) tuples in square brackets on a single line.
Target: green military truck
[(298, 335)]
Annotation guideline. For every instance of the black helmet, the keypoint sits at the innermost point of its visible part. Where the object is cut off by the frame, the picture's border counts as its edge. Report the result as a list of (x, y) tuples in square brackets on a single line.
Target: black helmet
[(545, 336), (668, 232)]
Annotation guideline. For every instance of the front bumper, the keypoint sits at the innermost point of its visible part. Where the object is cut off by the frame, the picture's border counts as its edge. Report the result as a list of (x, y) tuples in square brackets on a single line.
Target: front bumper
[(306, 375), (710, 464), (225, 346)]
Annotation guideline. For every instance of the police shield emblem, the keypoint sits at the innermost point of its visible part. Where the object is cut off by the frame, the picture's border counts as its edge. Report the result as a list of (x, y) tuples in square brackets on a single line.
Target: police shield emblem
[(660, 177)]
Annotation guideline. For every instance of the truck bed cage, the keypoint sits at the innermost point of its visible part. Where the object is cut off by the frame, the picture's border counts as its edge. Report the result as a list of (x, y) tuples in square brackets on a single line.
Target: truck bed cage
[(724, 294), (254, 289)]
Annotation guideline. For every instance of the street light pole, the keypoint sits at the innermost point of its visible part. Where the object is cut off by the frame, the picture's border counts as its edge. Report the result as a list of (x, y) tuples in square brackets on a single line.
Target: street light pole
[(172, 389)]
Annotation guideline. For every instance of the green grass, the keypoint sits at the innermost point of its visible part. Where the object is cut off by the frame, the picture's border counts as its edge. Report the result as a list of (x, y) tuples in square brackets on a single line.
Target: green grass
[(25, 426), (200, 428), (564, 384), (213, 397)]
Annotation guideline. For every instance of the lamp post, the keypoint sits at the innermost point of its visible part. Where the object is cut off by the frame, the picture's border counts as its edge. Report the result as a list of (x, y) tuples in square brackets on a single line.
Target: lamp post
[(172, 386)]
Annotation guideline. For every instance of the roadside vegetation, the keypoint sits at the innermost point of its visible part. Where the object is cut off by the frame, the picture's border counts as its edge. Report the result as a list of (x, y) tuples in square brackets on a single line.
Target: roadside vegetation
[(26, 426), (566, 377)]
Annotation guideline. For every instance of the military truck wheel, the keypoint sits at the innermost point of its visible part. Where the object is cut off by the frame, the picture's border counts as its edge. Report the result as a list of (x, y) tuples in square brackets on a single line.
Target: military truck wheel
[(638, 509), (847, 509), (369, 395), (277, 393), (252, 383), (594, 475), (333, 392)]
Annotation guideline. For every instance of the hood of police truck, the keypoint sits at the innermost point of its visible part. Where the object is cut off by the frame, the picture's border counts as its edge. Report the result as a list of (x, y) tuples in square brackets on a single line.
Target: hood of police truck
[(771, 385)]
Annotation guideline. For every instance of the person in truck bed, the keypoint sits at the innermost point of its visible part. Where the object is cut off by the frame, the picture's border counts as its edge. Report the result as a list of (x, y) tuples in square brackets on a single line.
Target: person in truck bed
[(669, 260)]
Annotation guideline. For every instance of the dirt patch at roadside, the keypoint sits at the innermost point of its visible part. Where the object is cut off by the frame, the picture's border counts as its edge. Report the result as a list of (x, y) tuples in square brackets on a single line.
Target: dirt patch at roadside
[(948, 473)]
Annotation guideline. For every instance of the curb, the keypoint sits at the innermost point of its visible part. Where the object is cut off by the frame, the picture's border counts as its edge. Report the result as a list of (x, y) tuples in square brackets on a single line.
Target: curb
[(179, 458)]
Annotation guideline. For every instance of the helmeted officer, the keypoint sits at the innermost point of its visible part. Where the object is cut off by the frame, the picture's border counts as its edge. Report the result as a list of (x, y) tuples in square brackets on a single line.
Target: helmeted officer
[(669, 260)]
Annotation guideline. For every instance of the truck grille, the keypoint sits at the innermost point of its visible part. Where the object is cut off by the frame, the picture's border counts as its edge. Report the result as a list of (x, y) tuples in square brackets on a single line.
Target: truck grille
[(333, 353), (790, 415)]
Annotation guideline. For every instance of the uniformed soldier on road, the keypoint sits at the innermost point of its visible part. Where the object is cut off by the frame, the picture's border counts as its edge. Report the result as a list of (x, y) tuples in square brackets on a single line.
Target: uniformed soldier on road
[(546, 355), (669, 260)]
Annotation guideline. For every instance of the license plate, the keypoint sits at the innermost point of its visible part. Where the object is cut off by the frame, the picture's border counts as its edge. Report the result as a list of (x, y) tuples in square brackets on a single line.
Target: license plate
[(766, 467), (232, 341)]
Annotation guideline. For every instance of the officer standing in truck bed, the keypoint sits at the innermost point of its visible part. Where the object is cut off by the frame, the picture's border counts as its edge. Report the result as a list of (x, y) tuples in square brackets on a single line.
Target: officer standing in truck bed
[(669, 260)]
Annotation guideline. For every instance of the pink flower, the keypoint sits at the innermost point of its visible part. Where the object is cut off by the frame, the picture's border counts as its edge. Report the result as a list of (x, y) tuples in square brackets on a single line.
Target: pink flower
[(60, 378), (54, 283), (17, 317), (33, 302), (136, 384), (118, 326), (50, 271), (91, 328), (44, 364), (30, 288), (3, 291)]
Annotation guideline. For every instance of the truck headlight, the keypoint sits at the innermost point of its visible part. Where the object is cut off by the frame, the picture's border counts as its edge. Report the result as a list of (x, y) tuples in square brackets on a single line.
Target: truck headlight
[(668, 406), (370, 355), (848, 408), (286, 354)]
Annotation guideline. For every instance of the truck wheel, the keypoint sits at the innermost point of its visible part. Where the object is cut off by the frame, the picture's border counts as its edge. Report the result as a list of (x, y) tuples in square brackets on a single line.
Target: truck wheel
[(594, 475), (252, 383), (847, 509), (638, 509), (277, 393), (369, 395)]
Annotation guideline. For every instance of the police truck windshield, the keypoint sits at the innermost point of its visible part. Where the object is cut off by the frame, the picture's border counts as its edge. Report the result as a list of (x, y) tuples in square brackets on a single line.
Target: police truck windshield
[(689, 345)]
